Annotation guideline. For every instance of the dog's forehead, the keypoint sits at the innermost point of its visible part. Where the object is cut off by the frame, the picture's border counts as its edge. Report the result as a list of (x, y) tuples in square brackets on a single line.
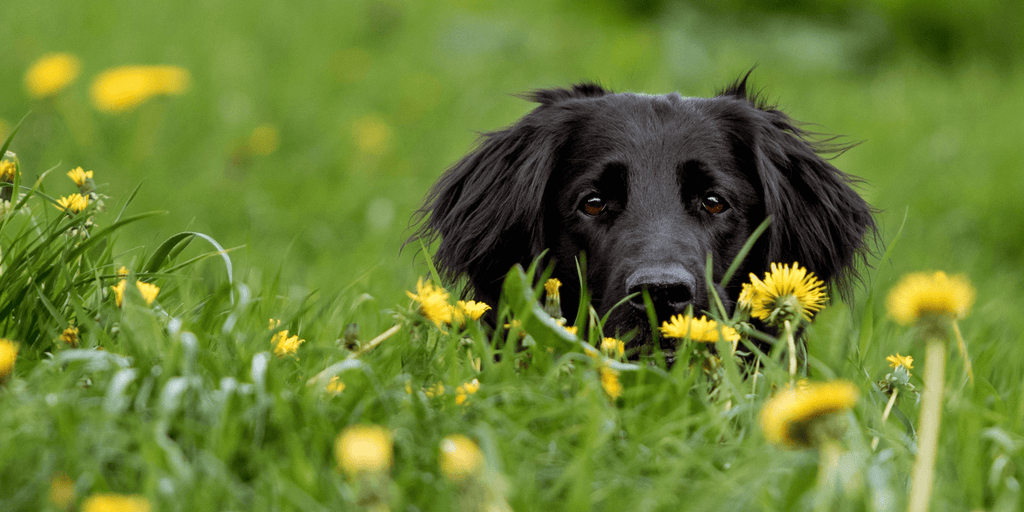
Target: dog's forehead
[(646, 122)]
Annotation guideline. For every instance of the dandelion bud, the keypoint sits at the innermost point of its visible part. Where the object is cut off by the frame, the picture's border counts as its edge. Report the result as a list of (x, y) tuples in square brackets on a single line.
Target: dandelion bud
[(552, 299), (460, 458), (364, 449), (8, 355)]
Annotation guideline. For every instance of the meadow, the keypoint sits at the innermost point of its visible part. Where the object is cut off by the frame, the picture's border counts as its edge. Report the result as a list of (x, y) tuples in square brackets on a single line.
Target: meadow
[(275, 184)]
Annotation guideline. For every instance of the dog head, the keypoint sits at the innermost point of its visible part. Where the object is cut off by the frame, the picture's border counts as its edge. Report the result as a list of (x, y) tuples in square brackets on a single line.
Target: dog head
[(646, 187)]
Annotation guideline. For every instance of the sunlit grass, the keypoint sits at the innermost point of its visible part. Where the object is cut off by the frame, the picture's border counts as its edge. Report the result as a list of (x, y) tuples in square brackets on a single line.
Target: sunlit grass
[(170, 393)]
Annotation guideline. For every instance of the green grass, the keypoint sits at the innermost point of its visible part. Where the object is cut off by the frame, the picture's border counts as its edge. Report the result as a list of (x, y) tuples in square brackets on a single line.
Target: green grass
[(187, 406)]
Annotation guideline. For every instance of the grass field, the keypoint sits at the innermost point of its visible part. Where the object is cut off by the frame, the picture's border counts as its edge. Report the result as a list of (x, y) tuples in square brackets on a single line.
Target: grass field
[(305, 140)]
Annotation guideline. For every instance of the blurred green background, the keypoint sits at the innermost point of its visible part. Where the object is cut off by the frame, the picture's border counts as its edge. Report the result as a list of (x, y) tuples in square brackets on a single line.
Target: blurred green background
[(372, 100)]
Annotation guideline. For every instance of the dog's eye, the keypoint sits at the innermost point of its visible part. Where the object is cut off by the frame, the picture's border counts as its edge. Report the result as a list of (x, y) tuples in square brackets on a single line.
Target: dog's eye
[(714, 204), (593, 205)]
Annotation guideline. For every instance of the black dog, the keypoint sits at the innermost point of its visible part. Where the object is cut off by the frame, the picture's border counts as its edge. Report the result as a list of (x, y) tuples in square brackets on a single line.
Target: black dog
[(646, 187)]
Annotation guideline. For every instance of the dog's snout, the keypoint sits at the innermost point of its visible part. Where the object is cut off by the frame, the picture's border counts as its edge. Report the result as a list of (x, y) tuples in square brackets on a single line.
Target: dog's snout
[(671, 288)]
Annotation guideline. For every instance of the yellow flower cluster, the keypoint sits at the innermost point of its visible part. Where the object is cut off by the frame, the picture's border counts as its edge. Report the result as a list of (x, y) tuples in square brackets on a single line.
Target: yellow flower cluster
[(898, 360), (7, 171), (119, 291), (149, 291), (435, 390), (62, 491), (433, 302), (463, 391), (285, 345), (8, 355), (610, 381), (471, 309), (786, 418), (793, 292), (335, 386), (372, 134), (264, 140), (364, 449), (123, 88), (613, 348), (551, 286), (930, 293), (79, 176), (73, 204), (460, 458), (434, 306), (697, 329), (116, 503), (70, 336), (51, 74)]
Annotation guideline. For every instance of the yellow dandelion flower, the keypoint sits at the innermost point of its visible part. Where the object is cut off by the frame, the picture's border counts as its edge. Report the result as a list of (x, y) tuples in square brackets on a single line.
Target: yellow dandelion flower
[(460, 458), (697, 329), (786, 418), (746, 298), (264, 140), (51, 74), (79, 176), (73, 204), (62, 491), (124, 88), (930, 293), (551, 286), (464, 390), (613, 348), (116, 503), (149, 291), (372, 134), (471, 309), (335, 386), (122, 272), (571, 328), (790, 291), (433, 302), (119, 291), (610, 381), (285, 345), (552, 299), (364, 449), (435, 390), (70, 336), (898, 360), (7, 171), (8, 355)]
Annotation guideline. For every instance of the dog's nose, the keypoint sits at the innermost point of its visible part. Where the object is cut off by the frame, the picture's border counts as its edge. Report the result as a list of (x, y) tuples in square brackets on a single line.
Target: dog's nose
[(671, 288)]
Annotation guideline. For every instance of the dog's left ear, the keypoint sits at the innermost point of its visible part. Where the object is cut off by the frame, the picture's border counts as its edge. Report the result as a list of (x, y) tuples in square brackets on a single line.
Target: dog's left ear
[(487, 208), (818, 219)]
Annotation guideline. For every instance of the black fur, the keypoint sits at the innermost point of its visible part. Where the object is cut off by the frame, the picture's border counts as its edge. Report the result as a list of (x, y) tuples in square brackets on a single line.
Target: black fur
[(653, 162)]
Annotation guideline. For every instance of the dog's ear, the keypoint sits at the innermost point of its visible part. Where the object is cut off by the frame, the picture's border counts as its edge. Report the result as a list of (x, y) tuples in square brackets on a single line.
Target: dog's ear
[(487, 208), (818, 219)]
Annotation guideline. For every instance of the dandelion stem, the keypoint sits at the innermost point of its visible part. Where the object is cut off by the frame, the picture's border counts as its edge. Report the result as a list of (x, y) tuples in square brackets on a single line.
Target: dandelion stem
[(757, 369), (370, 345), (829, 452), (963, 351), (928, 435), (792, 351), (885, 414)]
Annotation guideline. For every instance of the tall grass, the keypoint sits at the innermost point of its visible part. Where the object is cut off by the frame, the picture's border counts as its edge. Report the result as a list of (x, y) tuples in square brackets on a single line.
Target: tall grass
[(185, 402)]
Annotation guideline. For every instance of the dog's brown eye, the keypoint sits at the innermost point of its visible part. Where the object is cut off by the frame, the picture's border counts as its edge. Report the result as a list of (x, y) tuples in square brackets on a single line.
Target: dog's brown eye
[(593, 205), (713, 204)]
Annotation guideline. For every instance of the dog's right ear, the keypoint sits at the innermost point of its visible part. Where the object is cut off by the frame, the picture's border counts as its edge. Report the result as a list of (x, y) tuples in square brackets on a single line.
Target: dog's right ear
[(487, 208)]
